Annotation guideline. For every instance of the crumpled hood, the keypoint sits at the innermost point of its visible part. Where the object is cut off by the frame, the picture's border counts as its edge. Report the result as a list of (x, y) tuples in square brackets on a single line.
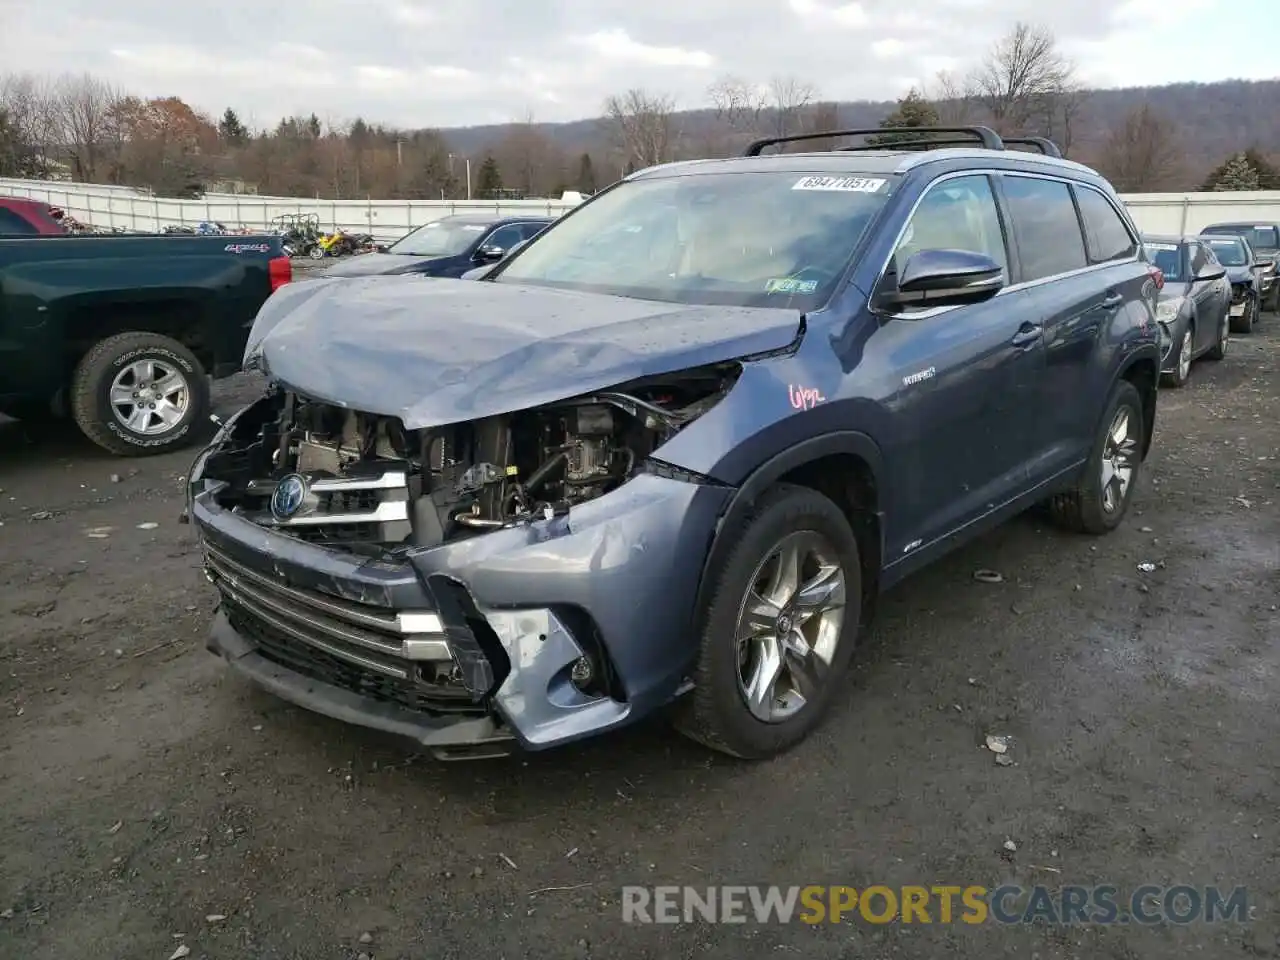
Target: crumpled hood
[(368, 264), (434, 351)]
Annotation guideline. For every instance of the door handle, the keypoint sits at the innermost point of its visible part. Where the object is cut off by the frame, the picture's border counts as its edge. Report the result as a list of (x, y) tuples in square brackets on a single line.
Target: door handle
[(1112, 301), (1027, 333)]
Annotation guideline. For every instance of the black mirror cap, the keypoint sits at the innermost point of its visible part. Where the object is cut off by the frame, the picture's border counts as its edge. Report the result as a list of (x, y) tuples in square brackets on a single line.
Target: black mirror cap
[(935, 278), (490, 254)]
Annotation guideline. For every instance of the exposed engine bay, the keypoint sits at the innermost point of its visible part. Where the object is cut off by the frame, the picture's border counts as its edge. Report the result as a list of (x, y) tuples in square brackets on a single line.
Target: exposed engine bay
[(334, 476)]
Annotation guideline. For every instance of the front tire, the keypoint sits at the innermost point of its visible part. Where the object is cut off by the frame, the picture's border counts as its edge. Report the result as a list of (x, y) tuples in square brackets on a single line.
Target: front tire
[(1184, 352), (139, 394), (779, 628), (1104, 490)]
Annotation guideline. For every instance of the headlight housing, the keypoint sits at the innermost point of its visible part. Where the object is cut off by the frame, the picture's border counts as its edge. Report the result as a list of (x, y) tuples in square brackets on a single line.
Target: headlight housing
[(1167, 310)]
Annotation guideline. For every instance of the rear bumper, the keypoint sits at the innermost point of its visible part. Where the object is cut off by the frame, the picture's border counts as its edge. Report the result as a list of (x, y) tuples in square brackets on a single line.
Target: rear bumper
[(513, 610)]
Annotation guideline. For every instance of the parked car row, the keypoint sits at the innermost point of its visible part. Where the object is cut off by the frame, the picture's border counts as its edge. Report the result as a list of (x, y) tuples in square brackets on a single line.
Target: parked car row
[(1214, 284)]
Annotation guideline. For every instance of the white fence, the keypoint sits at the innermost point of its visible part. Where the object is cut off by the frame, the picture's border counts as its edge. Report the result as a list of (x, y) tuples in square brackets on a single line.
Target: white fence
[(107, 206), (124, 207)]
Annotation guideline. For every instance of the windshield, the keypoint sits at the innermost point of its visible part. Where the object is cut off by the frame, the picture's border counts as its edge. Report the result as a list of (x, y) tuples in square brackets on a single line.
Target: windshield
[(1168, 257), (441, 238), (1230, 253), (1260, 237), (742, 239)]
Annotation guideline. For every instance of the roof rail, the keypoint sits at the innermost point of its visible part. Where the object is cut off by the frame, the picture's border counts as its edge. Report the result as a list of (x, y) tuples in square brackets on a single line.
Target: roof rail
[(1044, 145), (985, 136)]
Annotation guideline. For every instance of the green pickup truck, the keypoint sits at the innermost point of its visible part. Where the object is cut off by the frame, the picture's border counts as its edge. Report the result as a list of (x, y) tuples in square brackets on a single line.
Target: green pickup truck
[(122, 333)]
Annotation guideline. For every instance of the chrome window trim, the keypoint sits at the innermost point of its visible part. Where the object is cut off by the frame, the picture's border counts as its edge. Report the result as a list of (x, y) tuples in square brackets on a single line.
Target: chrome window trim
[(1024, 285)]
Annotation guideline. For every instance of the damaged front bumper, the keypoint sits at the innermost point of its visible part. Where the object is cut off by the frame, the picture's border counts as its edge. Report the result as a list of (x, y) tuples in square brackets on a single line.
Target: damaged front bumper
[(532, 635)]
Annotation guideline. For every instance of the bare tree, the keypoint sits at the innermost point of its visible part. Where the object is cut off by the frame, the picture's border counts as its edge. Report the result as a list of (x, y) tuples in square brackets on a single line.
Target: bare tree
[(737, 103), (85, 108), (822, 117), (952, 100), (643, 126), (1022, 79), (789, 98), (30, 104), (1141, 154)]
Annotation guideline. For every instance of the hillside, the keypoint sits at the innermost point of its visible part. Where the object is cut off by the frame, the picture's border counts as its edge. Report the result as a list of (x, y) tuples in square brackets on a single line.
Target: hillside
[(1210, 122)]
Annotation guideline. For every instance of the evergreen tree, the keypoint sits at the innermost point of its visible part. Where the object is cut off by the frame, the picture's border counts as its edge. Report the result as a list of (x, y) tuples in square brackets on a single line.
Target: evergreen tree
[(1268, 175), (586, 175), (313, 127), (232, 130), (489, 179), (913, 110), (1237, 174)]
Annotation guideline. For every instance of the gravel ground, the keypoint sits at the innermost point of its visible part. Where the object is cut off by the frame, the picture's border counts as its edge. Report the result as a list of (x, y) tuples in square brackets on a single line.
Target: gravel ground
[(150, 800)]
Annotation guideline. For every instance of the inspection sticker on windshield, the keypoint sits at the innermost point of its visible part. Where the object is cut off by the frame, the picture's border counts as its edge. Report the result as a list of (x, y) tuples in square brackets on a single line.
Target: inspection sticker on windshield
[(840, 184), (790, 285), (1161, 246)]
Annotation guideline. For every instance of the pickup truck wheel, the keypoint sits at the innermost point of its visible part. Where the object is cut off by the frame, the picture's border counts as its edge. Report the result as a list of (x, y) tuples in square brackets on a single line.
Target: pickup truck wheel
[(1105, 488), (779, 628), (138, 394)]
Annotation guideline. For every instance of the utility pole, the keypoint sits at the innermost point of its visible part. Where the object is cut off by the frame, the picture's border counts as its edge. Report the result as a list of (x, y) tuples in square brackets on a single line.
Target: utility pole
[(467, 162), (399, 154)]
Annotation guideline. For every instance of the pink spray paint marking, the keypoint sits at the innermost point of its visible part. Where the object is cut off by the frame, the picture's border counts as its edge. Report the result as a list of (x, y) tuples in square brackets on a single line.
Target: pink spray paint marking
[(804, 398)]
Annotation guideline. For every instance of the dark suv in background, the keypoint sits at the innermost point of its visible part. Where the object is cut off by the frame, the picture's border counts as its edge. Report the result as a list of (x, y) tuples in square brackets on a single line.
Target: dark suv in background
[(1264, 241), (612, 477), (447, 247)]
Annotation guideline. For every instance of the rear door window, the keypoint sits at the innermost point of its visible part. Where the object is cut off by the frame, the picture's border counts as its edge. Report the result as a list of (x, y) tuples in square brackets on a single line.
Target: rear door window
[(1105, 232), (1050, 240)]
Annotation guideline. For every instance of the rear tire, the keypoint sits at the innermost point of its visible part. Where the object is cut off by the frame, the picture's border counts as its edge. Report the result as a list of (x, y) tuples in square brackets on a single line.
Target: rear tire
[(165, 426), (813, 650), (1099, 501)]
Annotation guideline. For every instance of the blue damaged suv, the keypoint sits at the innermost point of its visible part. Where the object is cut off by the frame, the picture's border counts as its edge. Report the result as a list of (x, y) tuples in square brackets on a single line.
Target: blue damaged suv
[(673, 470)]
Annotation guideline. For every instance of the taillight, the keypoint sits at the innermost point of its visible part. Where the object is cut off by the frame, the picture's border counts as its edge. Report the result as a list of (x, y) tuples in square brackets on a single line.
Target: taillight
[(280, 270), (1157, 277)]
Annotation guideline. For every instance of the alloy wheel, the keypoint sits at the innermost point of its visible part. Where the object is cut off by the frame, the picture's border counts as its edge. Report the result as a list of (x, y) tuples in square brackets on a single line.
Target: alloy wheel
[(149, 397), (789, 625), (1119, 455)]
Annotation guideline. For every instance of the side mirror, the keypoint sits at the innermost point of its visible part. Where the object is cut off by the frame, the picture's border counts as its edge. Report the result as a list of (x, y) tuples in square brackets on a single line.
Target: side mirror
[(1212, 273), (489, 254), (936, 278)]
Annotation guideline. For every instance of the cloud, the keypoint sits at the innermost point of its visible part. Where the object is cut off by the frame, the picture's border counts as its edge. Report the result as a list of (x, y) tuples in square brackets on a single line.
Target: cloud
[(459, 62)]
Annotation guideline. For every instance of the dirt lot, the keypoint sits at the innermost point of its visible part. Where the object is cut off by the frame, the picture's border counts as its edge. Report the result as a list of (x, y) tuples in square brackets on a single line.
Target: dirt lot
[(148, 799)]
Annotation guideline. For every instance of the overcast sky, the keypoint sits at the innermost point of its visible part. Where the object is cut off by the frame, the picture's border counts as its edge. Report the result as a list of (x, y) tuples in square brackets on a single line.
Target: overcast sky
[(458, 62)]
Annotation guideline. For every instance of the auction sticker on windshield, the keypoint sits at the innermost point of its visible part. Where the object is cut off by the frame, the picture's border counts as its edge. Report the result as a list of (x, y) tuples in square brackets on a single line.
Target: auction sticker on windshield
[(1161, 246), (841, 184)]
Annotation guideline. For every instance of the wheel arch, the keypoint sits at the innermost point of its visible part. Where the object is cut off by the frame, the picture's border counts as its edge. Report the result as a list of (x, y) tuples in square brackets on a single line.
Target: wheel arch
[(1143, 371), (845, 466)]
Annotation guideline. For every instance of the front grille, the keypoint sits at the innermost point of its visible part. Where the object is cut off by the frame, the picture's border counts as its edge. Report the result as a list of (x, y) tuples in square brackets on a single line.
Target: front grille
[(1239, 291), (368, 504), (317, 664)]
